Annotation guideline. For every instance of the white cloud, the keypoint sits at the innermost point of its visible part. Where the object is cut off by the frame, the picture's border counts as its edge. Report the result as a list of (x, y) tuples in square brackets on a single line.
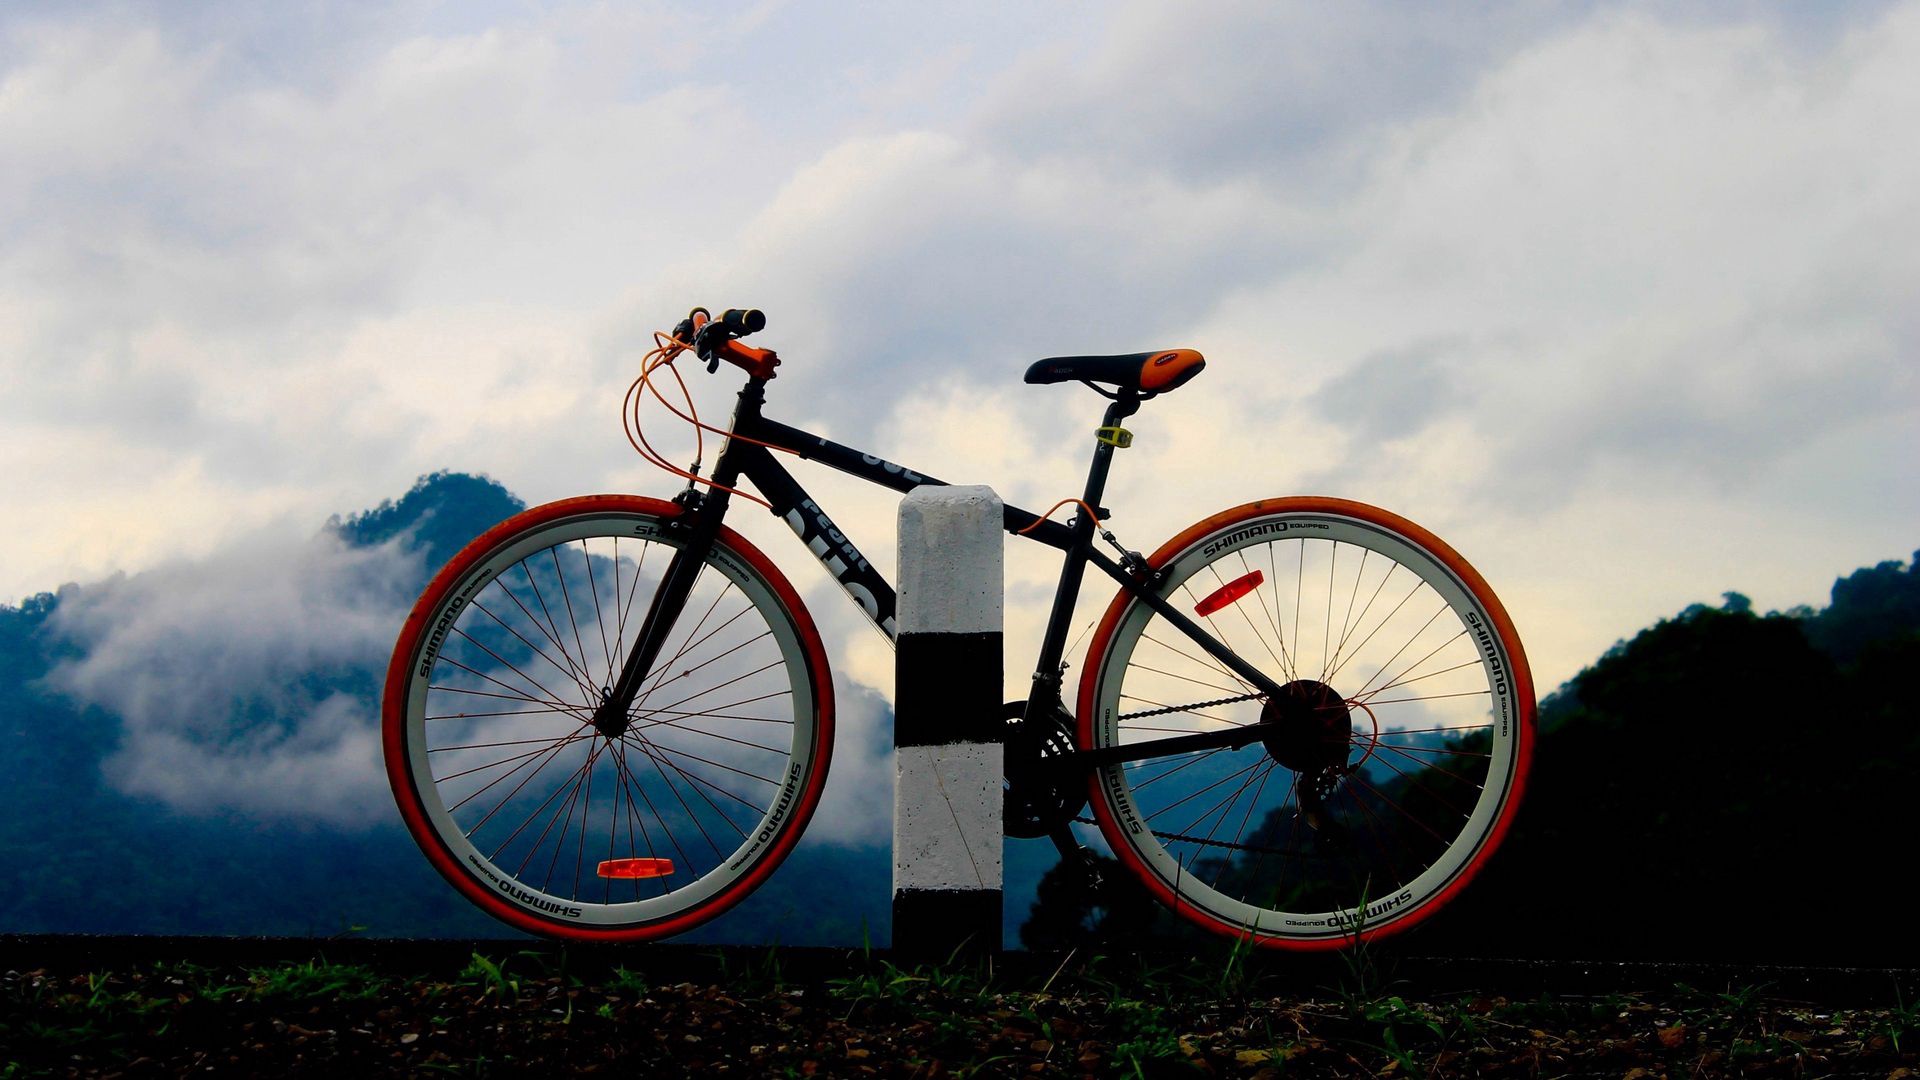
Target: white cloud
[(1603, 294), (245, 681)]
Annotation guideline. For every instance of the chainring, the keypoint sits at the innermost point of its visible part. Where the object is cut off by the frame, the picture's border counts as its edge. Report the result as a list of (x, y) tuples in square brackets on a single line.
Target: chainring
[(1038, 799)]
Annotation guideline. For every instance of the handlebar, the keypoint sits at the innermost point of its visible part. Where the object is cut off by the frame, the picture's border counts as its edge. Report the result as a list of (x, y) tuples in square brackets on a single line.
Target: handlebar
[(714, 339)]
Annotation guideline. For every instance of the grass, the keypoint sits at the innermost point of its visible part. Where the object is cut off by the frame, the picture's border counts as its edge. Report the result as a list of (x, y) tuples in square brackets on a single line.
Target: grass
[(1225, 1010)]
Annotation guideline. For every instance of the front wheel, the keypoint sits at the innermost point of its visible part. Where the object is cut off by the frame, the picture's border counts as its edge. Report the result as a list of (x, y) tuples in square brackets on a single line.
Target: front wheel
[(1391, 761), (633, 832)]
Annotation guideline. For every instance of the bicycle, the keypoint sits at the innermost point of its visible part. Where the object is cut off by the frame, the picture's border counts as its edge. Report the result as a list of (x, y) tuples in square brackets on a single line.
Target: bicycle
[(611, 717)]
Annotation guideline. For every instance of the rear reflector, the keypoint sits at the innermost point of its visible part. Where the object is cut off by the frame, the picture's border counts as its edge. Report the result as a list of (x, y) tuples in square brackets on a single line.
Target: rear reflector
[(635, 868), (1228, 593)]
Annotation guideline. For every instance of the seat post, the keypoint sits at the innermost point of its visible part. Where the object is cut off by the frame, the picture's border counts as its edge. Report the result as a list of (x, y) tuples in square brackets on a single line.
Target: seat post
[(1123, 406), (1046, 676)]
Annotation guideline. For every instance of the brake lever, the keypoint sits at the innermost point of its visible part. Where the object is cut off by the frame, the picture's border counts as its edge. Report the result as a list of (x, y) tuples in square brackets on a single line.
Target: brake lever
[(706, 348)]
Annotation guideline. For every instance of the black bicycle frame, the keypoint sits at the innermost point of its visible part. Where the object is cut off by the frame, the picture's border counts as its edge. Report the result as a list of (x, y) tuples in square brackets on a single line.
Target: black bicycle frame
[(744, 457)]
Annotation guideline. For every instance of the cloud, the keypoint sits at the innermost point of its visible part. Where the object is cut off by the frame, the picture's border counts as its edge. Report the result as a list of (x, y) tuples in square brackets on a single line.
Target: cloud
[(208, 226), (1621, 264), (1521, 273), (245, 682)]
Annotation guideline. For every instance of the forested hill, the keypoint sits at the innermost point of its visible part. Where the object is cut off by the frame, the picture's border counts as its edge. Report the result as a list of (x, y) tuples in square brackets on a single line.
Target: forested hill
[(193, 749), (1725, 785)]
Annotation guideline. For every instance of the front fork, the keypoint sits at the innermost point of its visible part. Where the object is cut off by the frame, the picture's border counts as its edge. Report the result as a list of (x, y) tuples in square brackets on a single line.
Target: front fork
[(696, 528)]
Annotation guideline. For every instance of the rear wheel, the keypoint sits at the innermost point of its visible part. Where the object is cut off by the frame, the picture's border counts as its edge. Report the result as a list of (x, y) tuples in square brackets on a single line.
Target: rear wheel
[(1395, 753), (619, 832)]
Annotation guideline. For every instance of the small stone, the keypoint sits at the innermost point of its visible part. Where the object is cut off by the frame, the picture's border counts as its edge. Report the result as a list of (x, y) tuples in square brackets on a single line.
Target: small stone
[(409, 1038)]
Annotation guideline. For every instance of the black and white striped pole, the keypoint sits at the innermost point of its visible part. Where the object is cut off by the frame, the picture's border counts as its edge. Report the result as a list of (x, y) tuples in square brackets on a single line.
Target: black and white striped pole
[(947, 728)]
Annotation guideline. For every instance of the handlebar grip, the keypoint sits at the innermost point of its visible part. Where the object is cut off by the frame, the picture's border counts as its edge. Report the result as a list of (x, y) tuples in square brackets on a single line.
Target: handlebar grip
[(686, 328), (741, 322)]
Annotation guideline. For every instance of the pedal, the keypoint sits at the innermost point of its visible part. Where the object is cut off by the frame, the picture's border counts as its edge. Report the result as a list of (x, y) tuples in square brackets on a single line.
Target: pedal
[(1072, 853)]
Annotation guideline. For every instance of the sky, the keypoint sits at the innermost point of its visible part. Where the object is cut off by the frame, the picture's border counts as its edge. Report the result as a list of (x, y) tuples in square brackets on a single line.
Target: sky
[(1618, 298)]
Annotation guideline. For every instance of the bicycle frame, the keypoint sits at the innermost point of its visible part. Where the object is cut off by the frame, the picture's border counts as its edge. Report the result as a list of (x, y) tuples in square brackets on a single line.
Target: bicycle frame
[(874, 594)]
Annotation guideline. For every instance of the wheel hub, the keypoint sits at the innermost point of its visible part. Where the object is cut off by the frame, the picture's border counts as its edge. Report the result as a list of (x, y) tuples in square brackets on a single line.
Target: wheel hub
[(1312, 730), (609, 721)]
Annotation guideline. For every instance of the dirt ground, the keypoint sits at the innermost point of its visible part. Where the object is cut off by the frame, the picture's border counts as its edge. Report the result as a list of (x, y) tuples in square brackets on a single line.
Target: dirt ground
[(754, 1015)]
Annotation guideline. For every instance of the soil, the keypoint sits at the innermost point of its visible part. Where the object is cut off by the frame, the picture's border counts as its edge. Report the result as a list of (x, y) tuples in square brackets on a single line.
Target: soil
[(526, 1014)]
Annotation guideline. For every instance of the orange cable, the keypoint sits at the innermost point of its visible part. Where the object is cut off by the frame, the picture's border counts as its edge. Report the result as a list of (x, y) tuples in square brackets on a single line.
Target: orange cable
[(668, 349), (1082, 503)]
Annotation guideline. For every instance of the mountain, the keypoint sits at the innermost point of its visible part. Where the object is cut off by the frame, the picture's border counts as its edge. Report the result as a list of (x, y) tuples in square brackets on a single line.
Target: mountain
[(1724, 785)]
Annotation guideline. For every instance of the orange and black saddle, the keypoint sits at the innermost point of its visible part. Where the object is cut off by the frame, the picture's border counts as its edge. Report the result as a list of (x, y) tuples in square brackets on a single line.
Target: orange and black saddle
[(1144, 373)]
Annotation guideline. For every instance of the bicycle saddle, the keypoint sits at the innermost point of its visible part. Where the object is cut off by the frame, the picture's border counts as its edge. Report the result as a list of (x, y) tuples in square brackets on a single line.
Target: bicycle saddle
[(1143, 373)]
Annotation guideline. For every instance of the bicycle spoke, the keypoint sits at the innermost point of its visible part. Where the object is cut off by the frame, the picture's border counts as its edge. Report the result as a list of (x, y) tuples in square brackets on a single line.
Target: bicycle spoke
[(660, 667), (1241, 832), (1418, 584), (1413, 781), (599, 618), (516, 693), (699, 784), (1191, 679), (535, 683), (551, 744), (1194, 601), (1401, 810), (648, 751), (1475, 662), (537, 650), (1441, 610), (1346, 620), (717, 715), (529, 819), (552, 626), (633, 782), (1192, 795), (1208, 663), (1326, 630), (1183, 764), (680, 714), (663, 747), (571, 789), (1225, 804), (1429, 765), (720, 686), (1248, 619), (1432, 697), (1436, 750)]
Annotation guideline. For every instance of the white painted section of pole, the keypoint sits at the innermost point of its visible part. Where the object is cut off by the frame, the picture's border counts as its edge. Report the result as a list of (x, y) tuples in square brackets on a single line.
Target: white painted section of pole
[(952, 561), (946, 819)]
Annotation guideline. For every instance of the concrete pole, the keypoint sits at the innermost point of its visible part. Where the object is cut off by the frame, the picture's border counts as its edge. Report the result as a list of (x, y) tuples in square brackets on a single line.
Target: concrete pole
[(947, 829)]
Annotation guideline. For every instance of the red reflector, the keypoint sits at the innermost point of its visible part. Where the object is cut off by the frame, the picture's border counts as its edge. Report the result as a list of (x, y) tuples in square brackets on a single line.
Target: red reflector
[(635, 868), (1228, 593)]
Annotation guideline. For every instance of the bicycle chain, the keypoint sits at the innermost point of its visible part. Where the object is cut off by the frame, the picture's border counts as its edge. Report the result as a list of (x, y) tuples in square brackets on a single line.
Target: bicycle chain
[(1188, 708), (1182, 837), (1202, 841)]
